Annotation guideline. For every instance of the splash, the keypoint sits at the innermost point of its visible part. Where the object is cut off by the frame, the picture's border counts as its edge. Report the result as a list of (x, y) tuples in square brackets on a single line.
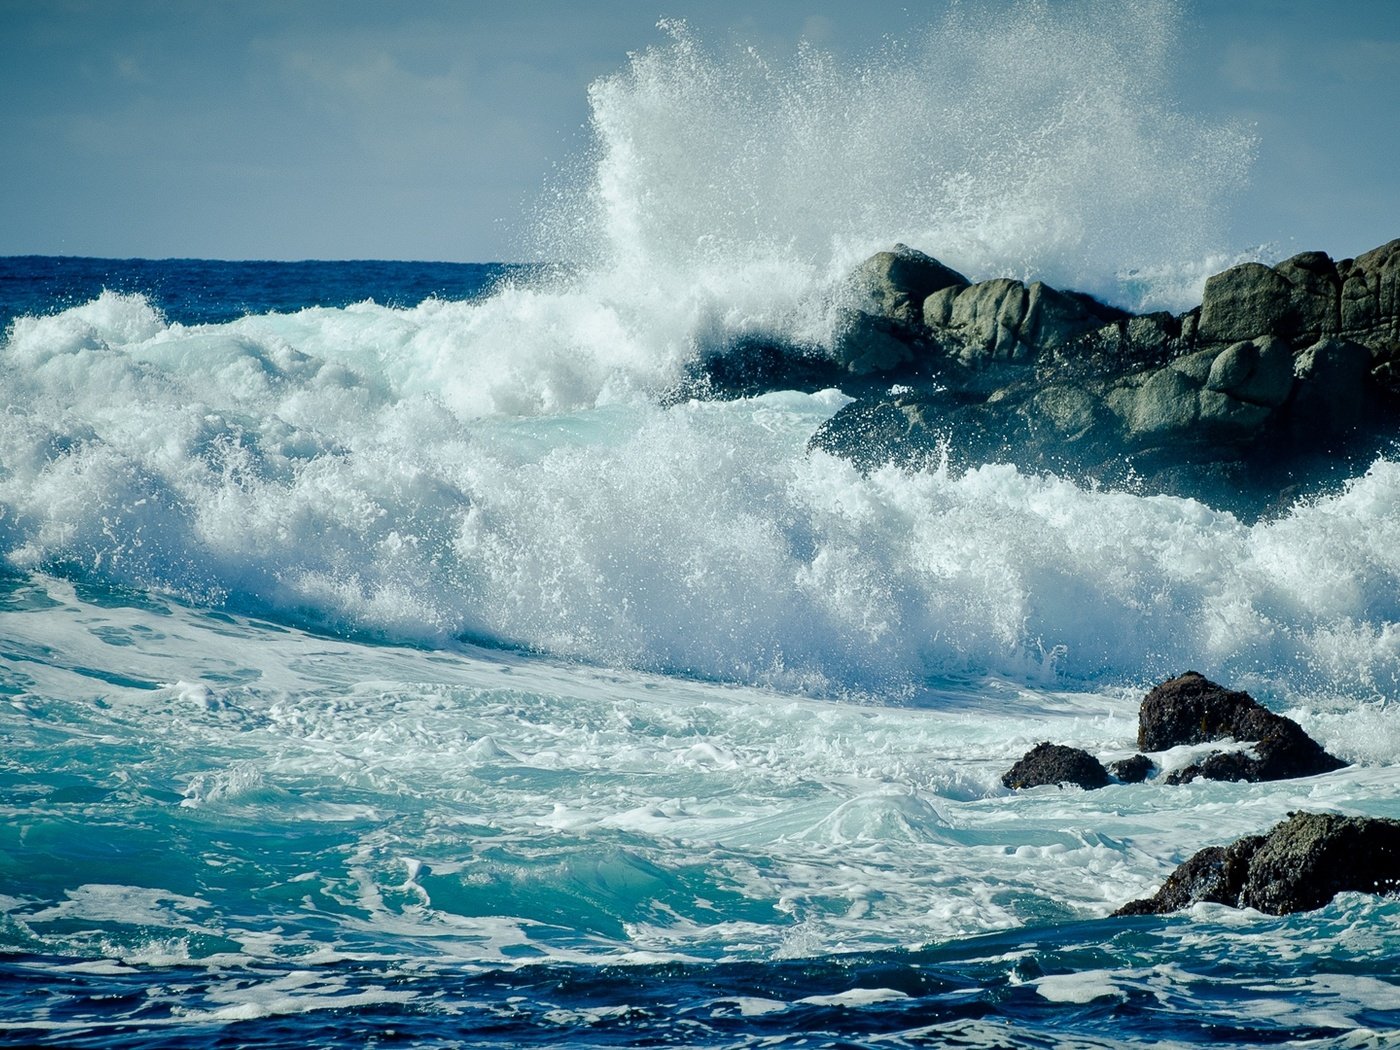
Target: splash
[(1029, 141)]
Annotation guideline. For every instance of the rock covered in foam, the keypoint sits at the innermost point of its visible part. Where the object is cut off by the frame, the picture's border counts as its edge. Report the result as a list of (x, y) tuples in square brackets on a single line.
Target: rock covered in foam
[(1048, 763), (1299, 865), (1191, 709)]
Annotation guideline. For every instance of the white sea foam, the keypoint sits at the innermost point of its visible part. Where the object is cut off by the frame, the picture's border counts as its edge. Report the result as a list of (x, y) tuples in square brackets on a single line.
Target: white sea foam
[(702, 539), (500, 470)]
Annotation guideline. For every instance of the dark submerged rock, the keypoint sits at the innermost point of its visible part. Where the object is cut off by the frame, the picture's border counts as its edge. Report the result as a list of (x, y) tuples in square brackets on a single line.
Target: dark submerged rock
[(1048, 763), (1191, 709), (1299, 865), (1214, 875), (749, 367), (1132, 770)]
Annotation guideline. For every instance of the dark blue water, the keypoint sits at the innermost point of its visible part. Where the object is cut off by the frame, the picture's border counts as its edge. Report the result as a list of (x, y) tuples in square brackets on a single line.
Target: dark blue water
[(212, 291), (1162, 987)]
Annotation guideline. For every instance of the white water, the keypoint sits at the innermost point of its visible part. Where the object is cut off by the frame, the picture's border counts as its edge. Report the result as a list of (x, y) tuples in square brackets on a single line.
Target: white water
[(500, 470), (263, 795), (297, 466)]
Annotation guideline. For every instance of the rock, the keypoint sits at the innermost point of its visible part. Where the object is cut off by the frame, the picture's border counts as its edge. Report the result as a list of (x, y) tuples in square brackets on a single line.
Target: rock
[(1004, 320), (1333, 395), (874, 432), (1259, 372), (1370, 296), (878, 326), (1191, 709), (1214, 875), (1244, 301), (1212, 397), (1132, 770), (868, 344), (1048, 763), (749, 367), (1310, 858), (894, 284), (1282, 384), (1299, 865), (1306, 299)]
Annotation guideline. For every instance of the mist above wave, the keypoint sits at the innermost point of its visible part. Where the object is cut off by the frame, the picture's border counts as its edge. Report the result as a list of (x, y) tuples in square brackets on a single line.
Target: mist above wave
[(1033, 141)]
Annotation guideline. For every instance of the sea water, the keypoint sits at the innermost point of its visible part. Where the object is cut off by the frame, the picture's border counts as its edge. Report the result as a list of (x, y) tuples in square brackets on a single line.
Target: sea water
[(388, 657)]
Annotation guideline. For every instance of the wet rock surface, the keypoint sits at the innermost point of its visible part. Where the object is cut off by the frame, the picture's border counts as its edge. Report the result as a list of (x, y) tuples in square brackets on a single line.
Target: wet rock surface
[(1132, 770), (1283, 382), (1048, 763), (1301, 864), (1191, 709)]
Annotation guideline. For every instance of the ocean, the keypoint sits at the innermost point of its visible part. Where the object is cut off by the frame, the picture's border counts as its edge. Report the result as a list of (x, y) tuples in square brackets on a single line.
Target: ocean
[(393, 654)]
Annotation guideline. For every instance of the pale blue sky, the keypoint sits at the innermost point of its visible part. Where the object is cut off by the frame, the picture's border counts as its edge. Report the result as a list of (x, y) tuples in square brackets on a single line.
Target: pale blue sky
[(424, 130)]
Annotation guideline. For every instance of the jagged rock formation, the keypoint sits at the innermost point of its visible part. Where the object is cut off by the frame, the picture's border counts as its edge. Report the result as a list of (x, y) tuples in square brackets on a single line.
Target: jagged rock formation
[(1283, 378), (1048, 763), (1191, 709), (1299, 865)]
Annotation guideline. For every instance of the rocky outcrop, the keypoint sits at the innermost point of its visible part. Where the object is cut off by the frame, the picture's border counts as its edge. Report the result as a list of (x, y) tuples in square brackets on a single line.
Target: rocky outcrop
[(1307, 298), (1299, 865), (1133, 770), (877, 328), (1286, 379), (1002, 320), (1048, 763), (1191, 709)]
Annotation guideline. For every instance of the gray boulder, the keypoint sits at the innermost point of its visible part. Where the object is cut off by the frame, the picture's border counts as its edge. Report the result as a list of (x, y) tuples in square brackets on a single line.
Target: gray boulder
[(1369, 308), (878, 326), (895, 283), (1244, 301), (1306, 299), (1301, 864), (1334, 394), (1004, 320), (1225, 396)]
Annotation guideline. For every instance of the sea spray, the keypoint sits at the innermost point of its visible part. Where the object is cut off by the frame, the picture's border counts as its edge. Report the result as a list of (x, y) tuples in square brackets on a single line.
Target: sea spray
[(296, 467), (501, 469), (728, 767), (735, 187)]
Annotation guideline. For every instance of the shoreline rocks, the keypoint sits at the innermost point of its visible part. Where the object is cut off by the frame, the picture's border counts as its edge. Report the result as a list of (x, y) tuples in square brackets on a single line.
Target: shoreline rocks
[(1191, 709), (1048, 763), (1187, 711), (1299, 865), (1283, 380)]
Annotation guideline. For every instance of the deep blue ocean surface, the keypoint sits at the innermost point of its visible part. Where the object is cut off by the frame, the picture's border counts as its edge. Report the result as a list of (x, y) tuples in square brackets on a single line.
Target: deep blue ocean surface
[(211, 291), (389, 657)]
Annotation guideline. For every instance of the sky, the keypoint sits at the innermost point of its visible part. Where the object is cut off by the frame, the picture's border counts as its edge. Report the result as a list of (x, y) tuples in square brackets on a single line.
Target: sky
[(273, 129)]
